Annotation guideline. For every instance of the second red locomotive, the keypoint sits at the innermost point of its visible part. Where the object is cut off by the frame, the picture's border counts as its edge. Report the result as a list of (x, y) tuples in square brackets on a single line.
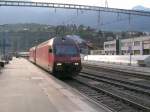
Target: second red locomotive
[(57, 55)]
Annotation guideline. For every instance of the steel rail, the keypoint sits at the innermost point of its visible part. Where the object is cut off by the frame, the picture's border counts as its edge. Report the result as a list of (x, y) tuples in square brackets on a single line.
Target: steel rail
[(115, 95), (116, 83), (106, 76), (123, 71)]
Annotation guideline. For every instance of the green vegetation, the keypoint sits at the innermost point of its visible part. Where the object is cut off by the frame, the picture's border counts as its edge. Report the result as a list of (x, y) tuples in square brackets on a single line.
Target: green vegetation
[(23, 36)]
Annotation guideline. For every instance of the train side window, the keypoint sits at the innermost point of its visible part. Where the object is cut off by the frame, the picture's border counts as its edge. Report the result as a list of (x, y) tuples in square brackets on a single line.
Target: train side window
[(80, 50), (50, 50)]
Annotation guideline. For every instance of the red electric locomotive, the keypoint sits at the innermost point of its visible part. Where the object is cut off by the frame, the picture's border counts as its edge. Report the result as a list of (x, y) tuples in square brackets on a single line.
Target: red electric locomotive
[(61, 56)]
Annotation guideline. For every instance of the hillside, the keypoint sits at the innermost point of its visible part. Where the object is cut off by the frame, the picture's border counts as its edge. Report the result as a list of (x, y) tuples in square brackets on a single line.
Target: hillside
[(21, 37), (108, 21)]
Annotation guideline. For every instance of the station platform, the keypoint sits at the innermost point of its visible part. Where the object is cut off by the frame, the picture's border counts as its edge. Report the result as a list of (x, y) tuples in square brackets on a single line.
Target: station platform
[(26, 88), (120, 67)]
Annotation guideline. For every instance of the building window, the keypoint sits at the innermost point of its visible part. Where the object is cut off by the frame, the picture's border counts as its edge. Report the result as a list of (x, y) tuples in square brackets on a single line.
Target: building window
[(123, 44), (146, 51), (106, 46), (146, 42), (136, 52), (129, 44), (123, 52), (112, 45), (137, 43)]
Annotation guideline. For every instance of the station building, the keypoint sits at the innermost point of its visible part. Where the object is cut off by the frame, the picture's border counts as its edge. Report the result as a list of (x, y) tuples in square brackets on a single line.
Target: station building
[(135, 46)]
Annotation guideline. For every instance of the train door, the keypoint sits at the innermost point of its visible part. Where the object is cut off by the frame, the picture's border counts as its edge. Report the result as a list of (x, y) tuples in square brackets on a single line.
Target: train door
[(50, 58)]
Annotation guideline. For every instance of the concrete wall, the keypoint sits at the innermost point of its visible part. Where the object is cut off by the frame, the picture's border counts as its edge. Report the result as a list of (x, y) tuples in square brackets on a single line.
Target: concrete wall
[(120, 59)]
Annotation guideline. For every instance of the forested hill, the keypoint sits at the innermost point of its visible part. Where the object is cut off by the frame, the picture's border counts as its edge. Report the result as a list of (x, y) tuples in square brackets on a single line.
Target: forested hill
[(20, 37), (108, 21)]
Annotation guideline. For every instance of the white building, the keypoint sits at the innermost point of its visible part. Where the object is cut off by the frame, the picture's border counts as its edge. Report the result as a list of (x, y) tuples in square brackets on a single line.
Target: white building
[(110, 47), (135, 46)]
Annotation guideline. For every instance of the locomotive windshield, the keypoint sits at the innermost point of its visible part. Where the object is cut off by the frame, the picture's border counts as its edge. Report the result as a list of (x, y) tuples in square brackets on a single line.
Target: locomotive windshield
[(66, 50)]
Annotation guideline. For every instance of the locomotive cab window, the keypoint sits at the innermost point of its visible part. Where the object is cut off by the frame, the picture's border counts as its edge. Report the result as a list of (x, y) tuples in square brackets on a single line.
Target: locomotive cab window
[(66, 50), (50, 50)]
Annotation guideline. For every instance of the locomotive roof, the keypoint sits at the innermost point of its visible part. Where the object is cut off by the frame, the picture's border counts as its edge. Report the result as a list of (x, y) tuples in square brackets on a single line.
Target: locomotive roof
[(66, 40), (32, 48), (57, 40), (48, 42)]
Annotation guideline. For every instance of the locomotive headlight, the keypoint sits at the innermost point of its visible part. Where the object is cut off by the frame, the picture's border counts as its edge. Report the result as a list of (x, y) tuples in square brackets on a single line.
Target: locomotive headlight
[(76, 63), (59, 64)]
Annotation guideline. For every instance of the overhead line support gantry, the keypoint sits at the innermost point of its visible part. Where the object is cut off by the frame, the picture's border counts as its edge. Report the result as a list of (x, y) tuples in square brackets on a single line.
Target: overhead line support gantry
[(72, 6)]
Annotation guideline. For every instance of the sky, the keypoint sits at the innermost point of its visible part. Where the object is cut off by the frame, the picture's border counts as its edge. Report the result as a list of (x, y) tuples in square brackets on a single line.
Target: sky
[(123, 4)]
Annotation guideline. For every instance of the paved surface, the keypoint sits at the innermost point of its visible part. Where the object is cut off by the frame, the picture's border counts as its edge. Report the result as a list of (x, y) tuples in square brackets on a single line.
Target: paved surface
[(126, 68), (26, 88)]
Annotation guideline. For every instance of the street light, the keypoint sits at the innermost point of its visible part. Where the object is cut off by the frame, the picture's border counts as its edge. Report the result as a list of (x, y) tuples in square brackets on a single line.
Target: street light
[(130, 51)]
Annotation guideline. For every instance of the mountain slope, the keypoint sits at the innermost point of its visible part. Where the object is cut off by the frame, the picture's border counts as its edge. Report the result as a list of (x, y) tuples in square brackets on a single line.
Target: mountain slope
[(108, 21)]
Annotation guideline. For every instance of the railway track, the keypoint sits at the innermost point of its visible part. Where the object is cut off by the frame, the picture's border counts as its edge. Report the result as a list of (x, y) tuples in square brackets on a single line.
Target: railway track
[(124, 77), (117, 93), (113, 100), (114, 71), (136, 94), (127, 84)]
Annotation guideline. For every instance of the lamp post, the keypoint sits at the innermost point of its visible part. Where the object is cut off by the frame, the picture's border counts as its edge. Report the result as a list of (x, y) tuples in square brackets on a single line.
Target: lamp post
[(130, 51), (130, 45)]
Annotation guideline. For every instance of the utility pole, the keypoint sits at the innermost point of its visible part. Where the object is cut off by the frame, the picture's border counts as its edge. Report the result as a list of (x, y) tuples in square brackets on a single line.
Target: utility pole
[(106, 3), (130, 46)]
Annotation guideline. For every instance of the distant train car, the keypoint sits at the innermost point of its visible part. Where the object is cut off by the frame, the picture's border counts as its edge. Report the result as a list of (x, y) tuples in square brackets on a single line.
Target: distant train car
[(23, 54), (32, 54), (58, 55)]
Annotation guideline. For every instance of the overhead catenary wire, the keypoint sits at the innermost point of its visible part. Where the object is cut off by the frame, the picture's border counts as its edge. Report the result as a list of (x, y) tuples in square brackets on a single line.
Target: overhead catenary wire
[(72, 6)]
